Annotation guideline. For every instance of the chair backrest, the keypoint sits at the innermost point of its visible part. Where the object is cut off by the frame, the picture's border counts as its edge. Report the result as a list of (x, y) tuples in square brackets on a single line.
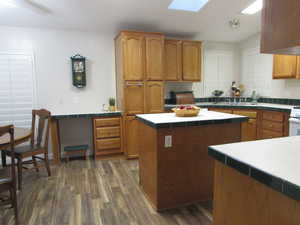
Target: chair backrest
[(9, 130), (40, 128)]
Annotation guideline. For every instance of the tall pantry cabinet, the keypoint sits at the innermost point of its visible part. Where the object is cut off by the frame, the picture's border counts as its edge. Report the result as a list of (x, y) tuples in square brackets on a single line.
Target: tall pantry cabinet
[(140, 80)]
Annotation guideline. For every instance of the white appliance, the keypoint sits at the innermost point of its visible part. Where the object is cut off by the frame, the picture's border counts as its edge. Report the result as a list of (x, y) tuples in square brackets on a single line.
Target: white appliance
[(295, 122)]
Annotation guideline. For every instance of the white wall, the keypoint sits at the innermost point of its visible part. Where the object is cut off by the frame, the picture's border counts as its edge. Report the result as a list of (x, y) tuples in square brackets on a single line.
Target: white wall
[(256, 73), (52, 51), (220, 68)]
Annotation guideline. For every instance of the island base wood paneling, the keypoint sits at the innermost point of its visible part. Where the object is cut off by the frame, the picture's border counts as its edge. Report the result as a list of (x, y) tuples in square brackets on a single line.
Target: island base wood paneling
[(241, 200), (182, 174), (131, 137)]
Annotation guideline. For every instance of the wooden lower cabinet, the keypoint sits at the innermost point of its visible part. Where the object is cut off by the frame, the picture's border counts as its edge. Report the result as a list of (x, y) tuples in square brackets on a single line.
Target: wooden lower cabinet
[(221, 110), (131, 137), (249, 128), (274, 125), (262, 124), (107, 136)]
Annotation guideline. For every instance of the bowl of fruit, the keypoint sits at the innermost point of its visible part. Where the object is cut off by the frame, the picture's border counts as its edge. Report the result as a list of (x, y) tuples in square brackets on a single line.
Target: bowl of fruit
[(186, 111)]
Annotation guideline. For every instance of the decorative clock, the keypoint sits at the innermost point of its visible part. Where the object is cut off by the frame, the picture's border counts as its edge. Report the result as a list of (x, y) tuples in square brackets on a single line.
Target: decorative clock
[(78, 71)]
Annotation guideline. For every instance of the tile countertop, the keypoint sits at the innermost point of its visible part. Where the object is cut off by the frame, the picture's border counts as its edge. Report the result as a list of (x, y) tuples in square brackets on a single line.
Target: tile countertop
[(205, 117), (273, 162), (83, 114), (264, 106)]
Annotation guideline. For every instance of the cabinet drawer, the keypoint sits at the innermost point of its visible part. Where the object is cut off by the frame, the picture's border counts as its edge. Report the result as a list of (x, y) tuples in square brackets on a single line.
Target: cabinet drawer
[(267, 134), (107, 122), (107, 132), (249, 114), (111, 143), (221, 110), (107, 152), (273, 126), (273, 116)]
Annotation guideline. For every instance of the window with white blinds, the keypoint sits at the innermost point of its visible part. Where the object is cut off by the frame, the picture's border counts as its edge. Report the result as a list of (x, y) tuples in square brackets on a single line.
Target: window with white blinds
[(17, 89)]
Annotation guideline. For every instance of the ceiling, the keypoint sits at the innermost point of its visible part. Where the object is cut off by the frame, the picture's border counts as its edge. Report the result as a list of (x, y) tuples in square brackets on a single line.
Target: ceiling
[(109, 16)]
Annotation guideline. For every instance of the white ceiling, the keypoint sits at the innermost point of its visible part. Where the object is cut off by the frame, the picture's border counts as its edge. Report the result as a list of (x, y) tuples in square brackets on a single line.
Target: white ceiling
[(109, 16)]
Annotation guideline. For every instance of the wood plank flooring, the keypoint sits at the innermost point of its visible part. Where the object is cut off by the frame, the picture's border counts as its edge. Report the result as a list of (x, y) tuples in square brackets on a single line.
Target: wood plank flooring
[(102, 192)]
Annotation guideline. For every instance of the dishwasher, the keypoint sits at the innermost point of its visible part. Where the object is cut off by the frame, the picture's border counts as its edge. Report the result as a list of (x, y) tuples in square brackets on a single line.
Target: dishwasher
[(295, 122)]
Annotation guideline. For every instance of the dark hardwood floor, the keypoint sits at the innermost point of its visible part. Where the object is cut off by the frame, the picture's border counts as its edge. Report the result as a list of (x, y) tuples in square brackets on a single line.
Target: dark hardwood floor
[(91, 192)]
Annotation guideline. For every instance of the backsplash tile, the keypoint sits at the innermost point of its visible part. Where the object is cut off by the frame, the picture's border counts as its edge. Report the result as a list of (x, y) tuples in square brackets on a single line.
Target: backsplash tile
[(283, 101)]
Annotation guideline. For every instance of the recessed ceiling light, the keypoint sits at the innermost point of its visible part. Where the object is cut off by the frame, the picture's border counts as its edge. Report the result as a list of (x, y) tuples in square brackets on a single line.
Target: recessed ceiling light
[(253, 8), (9, 3), (188, 5)]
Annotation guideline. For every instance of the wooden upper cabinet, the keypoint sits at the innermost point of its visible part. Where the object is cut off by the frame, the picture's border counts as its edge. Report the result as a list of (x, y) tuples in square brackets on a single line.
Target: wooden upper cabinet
[(154, 57), (173, 60), (134, 97), (191, 60), (285, 67), (154, 97), (133, 56)]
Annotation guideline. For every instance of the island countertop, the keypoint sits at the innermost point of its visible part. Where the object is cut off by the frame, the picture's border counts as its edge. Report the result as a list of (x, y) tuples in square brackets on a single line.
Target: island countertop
[(273, 162), (162, 120)]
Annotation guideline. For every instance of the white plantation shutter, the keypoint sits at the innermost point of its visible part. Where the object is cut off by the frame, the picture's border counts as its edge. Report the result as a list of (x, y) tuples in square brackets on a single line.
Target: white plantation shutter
[(17, 89)]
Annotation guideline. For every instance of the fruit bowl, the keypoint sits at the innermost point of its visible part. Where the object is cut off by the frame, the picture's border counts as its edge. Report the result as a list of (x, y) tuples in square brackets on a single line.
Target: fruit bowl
[(186, 111)]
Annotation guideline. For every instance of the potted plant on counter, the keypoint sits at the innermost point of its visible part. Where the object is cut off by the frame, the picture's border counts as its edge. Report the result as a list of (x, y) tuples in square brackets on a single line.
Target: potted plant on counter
[(112, 104)]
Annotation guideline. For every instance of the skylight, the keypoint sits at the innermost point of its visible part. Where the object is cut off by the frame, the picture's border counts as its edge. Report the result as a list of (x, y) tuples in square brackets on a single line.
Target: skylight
[(253, 8), (188, 5)]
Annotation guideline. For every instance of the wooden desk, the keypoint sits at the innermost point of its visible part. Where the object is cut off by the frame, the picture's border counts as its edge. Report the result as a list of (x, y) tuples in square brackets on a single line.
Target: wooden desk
[(54, 126)]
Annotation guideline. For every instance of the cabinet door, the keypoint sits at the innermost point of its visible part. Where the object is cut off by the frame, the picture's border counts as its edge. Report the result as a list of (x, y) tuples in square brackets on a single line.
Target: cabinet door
[(134, 97), (191, 61), (173, 60), (249, 130), (134, 57), (154, 97), (131, 137), (284, 67), (154, 57)]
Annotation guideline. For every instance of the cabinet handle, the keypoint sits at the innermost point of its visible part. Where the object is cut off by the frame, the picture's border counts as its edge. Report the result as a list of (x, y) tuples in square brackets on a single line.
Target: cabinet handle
[(134, 84)]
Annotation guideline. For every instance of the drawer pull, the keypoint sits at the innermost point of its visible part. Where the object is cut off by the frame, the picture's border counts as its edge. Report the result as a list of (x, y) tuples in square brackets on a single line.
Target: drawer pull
[(135, 84)]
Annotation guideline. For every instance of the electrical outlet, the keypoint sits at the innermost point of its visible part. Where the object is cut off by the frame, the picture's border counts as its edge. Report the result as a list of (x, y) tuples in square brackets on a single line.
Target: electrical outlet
[(168, 141)]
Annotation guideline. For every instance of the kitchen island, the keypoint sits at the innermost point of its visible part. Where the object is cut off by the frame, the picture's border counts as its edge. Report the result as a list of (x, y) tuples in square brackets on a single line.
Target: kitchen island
[(257, 182), (174, 166)]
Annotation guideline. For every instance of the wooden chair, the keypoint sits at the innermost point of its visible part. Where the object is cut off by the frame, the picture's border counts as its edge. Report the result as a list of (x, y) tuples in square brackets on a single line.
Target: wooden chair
[(8, 182), (38, 144)]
